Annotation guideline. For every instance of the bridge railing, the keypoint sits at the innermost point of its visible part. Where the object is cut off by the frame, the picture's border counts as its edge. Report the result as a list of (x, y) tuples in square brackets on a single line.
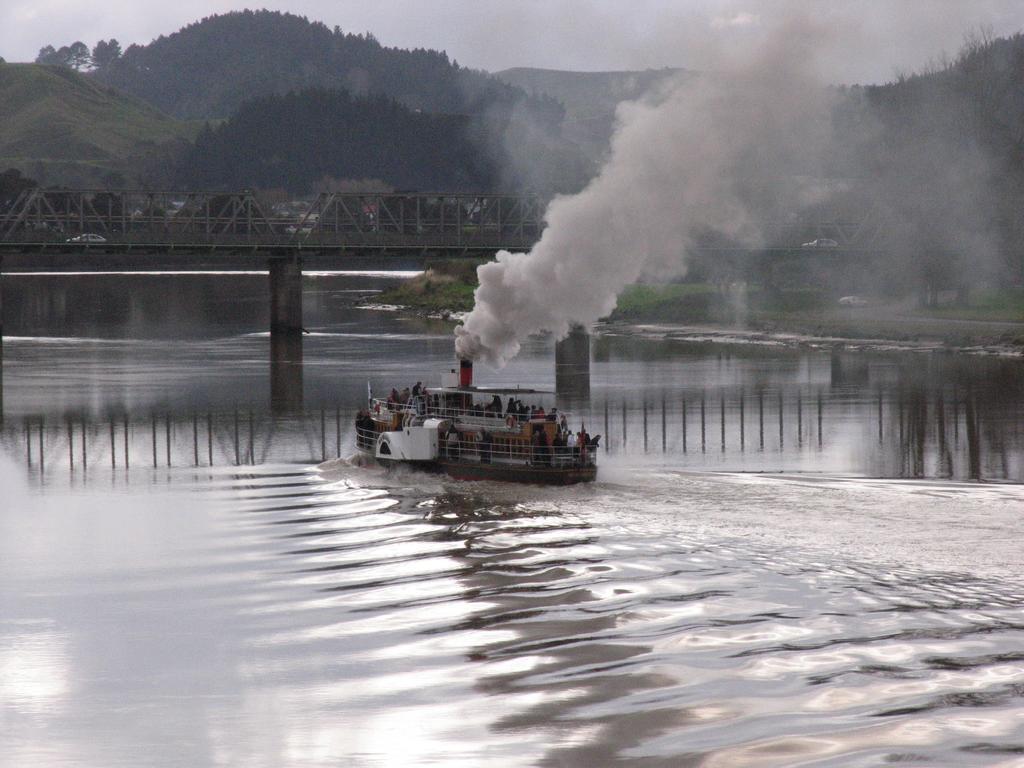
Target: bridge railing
[(356, 220), (331, 219)]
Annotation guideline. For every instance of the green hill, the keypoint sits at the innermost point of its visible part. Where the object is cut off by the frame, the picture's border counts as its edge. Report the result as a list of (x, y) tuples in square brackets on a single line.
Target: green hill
[(61, 127)]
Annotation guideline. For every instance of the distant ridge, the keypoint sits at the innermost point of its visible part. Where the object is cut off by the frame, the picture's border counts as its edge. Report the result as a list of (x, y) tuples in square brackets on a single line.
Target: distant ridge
[(207, 69)]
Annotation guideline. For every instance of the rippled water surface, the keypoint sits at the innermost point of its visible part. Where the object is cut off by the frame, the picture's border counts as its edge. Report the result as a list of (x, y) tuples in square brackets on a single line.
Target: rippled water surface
[(832, 586)]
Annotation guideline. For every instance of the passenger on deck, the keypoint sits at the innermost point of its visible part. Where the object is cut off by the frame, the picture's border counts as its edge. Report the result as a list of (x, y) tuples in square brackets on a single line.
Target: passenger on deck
[(558, 446), (495, 406), (541, 453), (404, 397), (582, 440), (393, 397), (563, 425), (417, 389)]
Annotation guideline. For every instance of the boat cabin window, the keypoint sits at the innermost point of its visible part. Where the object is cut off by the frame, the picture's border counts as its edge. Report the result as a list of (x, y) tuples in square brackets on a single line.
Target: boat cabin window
[(385, 449)]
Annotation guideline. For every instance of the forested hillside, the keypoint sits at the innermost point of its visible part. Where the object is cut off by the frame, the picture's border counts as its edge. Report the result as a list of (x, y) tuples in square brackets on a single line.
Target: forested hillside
[(942, 155), (207, 69), (212, 68), (296, 141)]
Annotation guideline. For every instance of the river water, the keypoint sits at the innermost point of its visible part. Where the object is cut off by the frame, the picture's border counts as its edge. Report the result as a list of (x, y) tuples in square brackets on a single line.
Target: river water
[(823, 570)]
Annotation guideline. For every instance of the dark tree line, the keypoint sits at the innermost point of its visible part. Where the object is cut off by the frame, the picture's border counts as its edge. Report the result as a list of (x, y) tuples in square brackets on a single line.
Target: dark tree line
[(295, 140), (209, 68), (944, 159), (78, 56)]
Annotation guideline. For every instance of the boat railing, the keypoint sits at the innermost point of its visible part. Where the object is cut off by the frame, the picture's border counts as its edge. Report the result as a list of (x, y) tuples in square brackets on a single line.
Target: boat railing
[(482, 448), (476, 416), (366, 438), (486, 451)]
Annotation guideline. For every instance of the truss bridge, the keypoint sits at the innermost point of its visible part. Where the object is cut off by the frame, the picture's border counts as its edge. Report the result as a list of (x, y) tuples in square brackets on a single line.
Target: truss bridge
[(446, 224)]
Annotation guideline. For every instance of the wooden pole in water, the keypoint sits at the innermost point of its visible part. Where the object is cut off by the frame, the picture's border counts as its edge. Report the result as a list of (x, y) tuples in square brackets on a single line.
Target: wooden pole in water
[(337, 431), (973, 437), (721, 408), (209, 437), (126, 463), (323, 435), (195, 438), (799, 419), (113, 448), (42, 460), (607, 433), (683, 408), (760, 418), (743, 427), (83, 445), (623, 425), (154, 440), (645, 425), (956, 418), (167, 435), (238, 457), (252, 441), (664, 437), (819, 419), (703, 424), (940, 415), (782, 438), (28, 441)]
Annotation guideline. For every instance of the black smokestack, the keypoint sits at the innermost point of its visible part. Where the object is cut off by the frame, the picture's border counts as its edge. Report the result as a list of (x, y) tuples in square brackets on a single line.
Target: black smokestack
[(465, 373)]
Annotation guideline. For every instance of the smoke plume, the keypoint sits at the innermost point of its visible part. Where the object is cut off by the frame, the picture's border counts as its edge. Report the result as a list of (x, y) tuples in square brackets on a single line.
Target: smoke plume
[(713, 155)]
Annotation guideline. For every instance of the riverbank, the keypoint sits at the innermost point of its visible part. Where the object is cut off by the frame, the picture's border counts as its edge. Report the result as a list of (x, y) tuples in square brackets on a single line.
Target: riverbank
[(444, 289), (991, 319)]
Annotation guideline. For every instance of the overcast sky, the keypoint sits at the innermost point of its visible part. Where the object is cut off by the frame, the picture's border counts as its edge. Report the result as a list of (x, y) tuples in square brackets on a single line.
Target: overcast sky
[(868, 40)]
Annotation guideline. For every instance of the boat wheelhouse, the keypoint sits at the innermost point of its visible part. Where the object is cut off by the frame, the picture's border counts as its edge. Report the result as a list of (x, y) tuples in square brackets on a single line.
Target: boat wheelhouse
[(477, 433)]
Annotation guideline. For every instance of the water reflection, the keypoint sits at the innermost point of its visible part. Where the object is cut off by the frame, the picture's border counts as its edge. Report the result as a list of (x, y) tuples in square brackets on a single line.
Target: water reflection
[(286, 388), (597, 636), (895, 430), (725, 594)]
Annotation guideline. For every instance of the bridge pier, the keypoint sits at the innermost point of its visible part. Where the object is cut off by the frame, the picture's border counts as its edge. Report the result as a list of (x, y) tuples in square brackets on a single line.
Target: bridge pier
[(285, 295), (286, 385), (572, 368)]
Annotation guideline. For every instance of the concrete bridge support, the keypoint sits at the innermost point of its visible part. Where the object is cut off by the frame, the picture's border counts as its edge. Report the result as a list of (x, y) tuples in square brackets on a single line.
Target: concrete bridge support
[(285, 295), (572, 369), (286, 386)]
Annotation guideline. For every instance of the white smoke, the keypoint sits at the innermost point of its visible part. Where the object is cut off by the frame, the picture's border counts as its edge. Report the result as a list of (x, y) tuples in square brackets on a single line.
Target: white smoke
[(714, 153)]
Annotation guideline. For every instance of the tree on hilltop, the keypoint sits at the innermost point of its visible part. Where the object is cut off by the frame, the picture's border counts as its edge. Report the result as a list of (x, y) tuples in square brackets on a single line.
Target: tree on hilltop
[(74, 56), (105, 52)]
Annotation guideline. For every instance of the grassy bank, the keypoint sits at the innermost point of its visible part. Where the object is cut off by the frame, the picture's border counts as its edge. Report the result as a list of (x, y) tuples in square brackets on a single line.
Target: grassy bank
[(445, 286), (990, 316)]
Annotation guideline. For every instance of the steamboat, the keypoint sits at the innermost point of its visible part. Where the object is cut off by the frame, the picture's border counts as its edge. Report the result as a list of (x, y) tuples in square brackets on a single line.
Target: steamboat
[(476, 433)]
